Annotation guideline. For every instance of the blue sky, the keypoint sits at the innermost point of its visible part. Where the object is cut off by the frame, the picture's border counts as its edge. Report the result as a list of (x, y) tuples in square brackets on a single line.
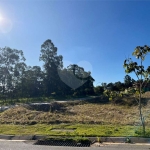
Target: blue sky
[(98, 35)]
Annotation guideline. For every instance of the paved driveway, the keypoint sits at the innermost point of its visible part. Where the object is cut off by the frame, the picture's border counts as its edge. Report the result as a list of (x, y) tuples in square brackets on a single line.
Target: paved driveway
[(17, 145)]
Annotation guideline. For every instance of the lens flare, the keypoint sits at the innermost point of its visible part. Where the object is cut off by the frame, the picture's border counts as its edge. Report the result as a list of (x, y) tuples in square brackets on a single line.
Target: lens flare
[(5, 25), (1, 18)]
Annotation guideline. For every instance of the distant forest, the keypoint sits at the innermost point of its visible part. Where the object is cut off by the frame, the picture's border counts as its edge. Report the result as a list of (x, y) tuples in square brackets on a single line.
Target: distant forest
[(17, 80)]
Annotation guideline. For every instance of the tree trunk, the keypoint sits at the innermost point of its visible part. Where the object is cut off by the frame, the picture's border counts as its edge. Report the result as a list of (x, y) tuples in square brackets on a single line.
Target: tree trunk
[(140, 109)]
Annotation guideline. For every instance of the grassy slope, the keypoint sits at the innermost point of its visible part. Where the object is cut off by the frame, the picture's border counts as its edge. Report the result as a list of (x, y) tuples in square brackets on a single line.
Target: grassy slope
[(87, 118), (80, 130)]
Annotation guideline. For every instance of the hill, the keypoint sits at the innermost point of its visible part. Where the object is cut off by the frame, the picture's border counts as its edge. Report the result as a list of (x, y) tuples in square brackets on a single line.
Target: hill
[(78, 112)]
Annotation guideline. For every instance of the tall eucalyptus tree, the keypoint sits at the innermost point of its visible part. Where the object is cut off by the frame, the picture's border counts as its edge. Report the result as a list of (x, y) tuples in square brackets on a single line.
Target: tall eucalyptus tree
[(9, 69), (52, 62)]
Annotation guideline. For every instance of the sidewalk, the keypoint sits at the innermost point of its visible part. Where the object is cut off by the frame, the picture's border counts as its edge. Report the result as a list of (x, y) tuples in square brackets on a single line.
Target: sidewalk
[(109, 143)]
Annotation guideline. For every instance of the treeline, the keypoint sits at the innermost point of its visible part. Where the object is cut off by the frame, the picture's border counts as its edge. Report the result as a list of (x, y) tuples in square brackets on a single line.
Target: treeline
[(17, 80), (117, 86)]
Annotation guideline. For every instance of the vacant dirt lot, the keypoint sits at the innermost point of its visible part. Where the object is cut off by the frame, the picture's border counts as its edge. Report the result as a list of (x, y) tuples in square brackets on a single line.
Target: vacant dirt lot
[(93, 113)]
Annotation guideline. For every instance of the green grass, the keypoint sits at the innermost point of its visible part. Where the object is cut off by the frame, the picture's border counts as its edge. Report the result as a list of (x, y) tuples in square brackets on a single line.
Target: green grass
[(80, 130), (26, 100)]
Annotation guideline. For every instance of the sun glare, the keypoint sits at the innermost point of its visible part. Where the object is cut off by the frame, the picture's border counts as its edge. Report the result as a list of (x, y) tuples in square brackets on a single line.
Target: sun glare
[(1, 18), (5, 24)]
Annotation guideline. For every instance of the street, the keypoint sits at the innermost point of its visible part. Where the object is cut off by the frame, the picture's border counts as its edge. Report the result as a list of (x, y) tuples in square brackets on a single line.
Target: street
[(28, 145)]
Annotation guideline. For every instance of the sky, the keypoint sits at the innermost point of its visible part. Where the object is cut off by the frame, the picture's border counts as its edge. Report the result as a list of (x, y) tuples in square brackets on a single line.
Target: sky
[(95, 34)]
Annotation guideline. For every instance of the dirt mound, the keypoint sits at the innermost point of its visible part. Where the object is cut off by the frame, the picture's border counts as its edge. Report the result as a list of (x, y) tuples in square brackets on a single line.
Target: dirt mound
[(46, 106)]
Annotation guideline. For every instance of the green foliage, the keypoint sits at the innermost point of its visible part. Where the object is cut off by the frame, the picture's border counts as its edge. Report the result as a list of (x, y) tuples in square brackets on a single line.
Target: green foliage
[(108, 133), (142, 74), (139, 132), (99, 90), (52, 63), (112, 94), (18, 81), (130, 66), (76, 139), (11, 67), (128, 81)]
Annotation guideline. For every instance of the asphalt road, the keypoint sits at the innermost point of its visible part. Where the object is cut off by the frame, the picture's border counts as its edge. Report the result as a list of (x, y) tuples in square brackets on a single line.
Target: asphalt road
[(18, 145)]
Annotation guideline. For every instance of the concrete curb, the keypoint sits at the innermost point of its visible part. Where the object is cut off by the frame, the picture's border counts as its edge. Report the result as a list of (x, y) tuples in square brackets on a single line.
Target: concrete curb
[(121, 139), (22, 137), (93, 139)]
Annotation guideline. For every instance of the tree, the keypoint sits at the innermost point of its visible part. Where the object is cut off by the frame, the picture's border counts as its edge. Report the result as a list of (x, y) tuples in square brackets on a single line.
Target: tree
[(142, 74), (82, 80), (79, 81), (99, 90), (110, 86), (9, 59), (118, 86), (104, 85), (31, 83), (52, 63), (127, 81), (19, 74)]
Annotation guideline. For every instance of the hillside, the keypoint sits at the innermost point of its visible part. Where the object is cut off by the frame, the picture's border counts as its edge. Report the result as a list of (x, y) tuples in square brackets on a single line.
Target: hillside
[(78, 112)]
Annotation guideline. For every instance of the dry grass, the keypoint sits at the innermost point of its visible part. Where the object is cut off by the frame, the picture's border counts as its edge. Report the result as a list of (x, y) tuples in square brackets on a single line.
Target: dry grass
[(87, 113)]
